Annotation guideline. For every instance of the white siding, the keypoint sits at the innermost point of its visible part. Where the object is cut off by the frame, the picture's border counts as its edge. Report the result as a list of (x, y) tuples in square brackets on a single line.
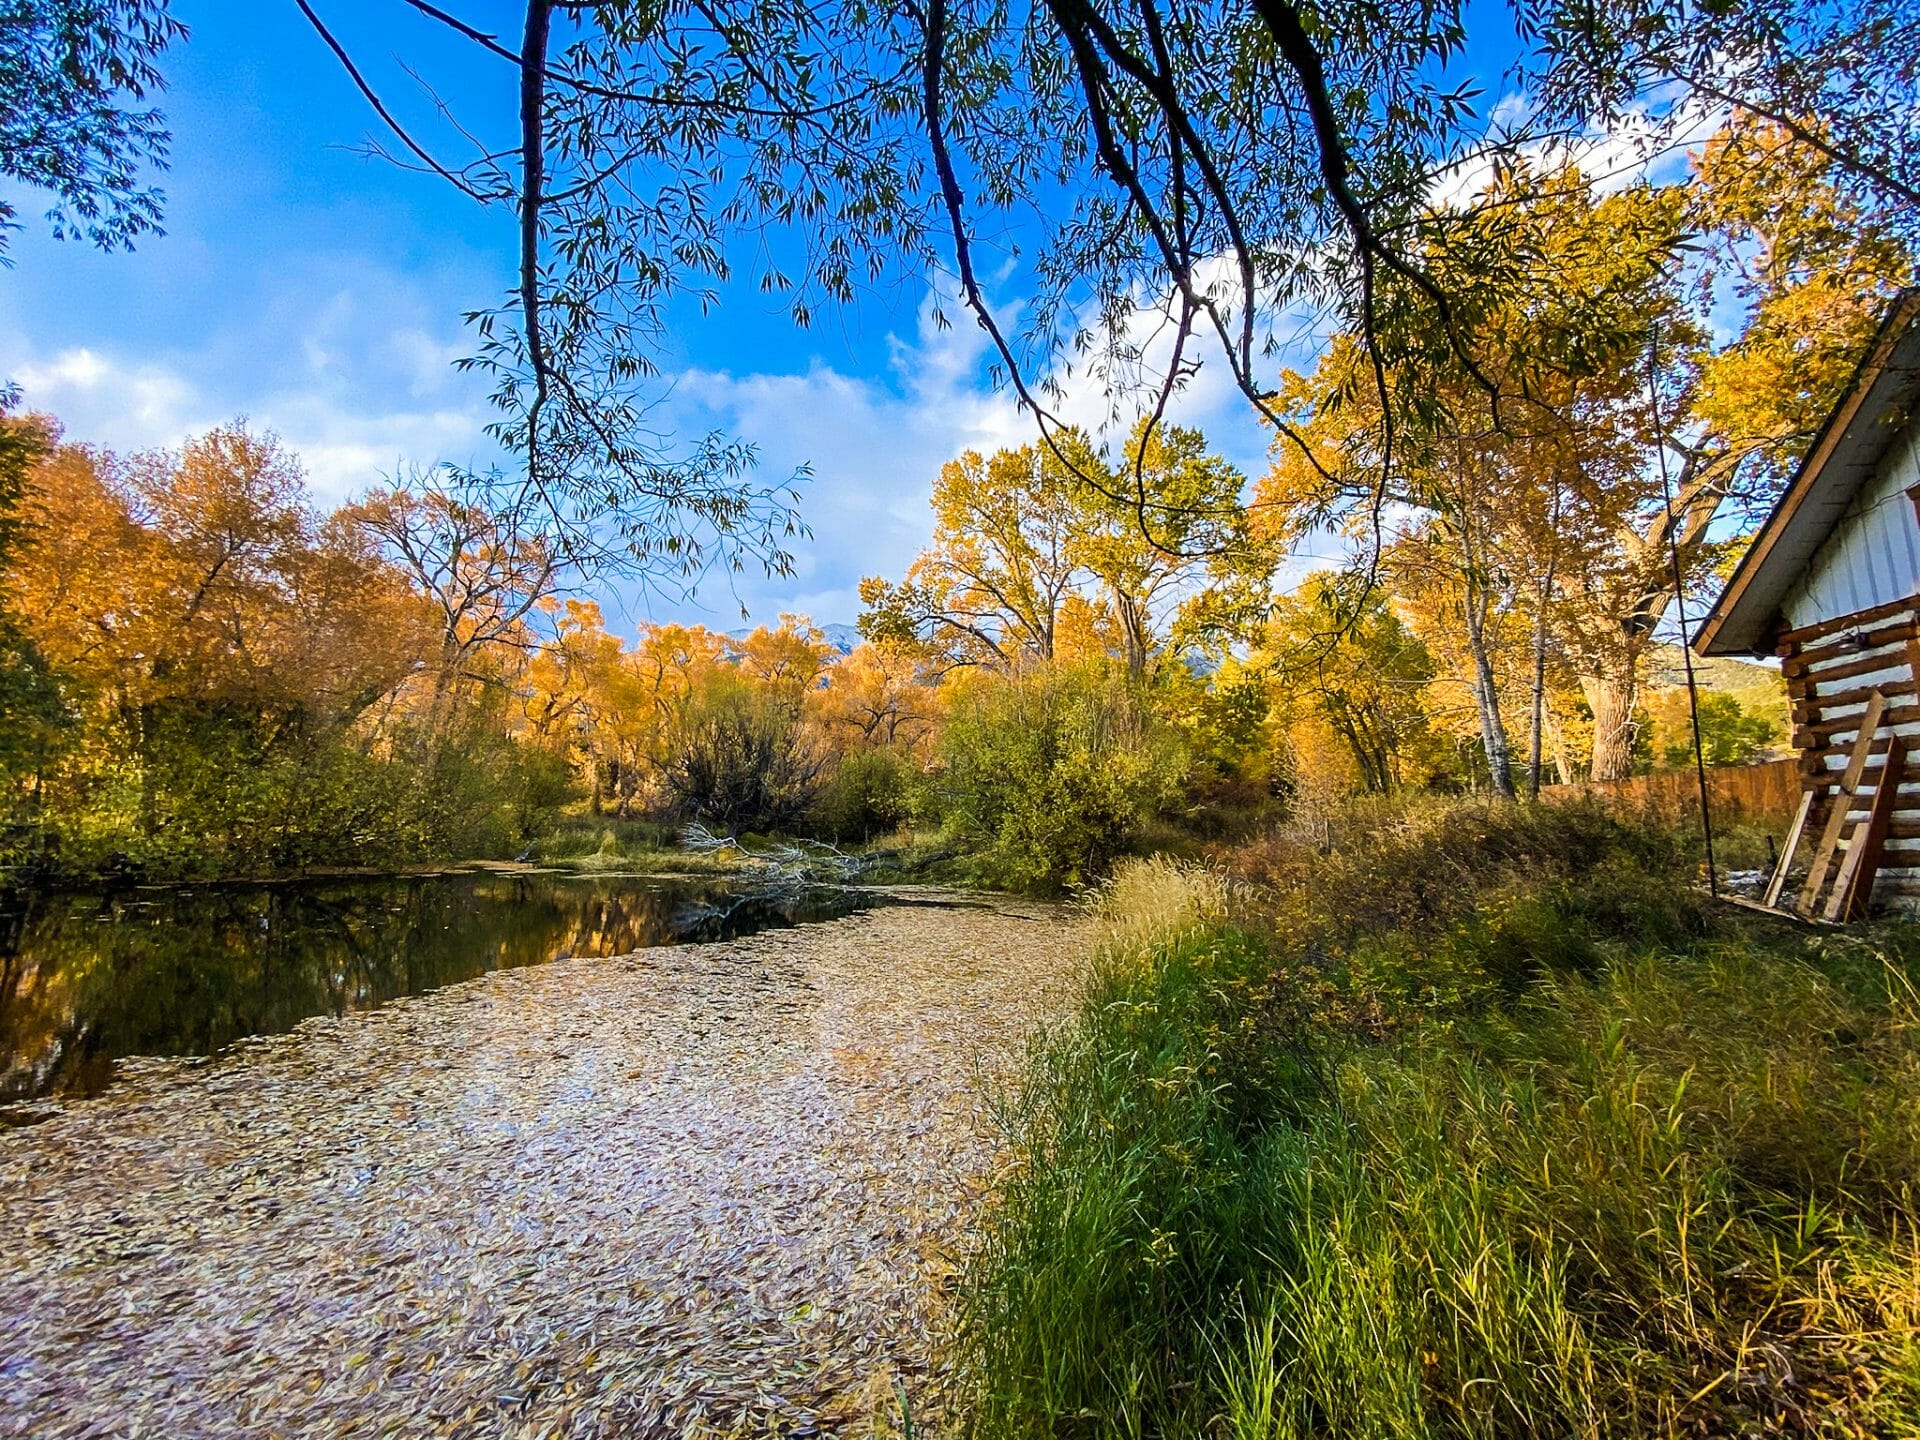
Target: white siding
[(1873, 555)]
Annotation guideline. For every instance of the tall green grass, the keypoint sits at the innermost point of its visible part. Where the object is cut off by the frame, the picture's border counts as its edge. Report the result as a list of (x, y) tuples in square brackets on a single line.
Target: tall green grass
[(1553, 1154)]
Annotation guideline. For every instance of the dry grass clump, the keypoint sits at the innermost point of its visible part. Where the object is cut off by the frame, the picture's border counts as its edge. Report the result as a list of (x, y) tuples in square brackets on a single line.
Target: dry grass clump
[(1409, 867), (1155, 901)]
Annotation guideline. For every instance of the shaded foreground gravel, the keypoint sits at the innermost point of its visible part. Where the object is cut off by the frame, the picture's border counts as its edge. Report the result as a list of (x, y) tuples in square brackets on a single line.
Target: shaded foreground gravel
[(701, 1186)]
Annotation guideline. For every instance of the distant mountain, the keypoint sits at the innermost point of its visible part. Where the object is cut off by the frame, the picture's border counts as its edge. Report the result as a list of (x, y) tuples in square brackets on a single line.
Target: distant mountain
[(844, 639), (1758, 687)]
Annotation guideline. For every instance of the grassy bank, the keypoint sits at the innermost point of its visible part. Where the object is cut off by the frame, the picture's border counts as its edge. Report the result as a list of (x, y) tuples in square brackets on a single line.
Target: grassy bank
[(1482, 1126)]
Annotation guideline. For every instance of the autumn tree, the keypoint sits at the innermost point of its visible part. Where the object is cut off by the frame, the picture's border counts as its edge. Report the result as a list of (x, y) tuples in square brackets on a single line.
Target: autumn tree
[(787, 659), (1610, 444), (1166, 526), (1714, 430), (31, 707), (204, 573), (1487, 478), (561, 681), (879, 696), (1364, 678), (485, 558), (1003, 561), (219, 642), (1038, 554)]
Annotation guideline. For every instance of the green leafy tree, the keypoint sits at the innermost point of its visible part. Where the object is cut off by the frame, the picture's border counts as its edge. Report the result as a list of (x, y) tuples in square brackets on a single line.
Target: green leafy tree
[(1219, 165), (1730, 734), (75, 78)]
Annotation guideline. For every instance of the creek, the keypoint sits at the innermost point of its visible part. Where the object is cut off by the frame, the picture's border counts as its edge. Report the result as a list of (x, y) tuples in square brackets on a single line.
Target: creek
[(686, 1189), (89, 980)]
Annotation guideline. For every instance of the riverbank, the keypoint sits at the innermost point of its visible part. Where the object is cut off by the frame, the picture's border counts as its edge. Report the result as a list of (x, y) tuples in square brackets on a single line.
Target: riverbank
[(602, 848), (1483, 1124), (699, 1185)]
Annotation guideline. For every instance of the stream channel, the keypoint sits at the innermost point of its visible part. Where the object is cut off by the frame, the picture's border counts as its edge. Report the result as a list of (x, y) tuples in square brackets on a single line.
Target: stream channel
[(650, 1191), (92, 978)]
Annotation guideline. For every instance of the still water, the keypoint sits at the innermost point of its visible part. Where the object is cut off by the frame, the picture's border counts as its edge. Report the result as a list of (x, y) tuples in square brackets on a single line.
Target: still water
[(87, 979)]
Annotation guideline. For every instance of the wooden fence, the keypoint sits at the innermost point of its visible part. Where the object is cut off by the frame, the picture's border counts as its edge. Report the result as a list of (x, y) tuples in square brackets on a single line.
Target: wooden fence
[(1769, 792)]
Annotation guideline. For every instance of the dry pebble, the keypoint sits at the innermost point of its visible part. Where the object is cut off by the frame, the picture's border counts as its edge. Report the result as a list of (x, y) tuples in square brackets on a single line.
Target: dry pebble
[(694, 1189)]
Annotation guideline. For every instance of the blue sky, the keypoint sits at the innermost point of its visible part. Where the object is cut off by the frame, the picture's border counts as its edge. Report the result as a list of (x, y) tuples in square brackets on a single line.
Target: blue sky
[(319, 292)]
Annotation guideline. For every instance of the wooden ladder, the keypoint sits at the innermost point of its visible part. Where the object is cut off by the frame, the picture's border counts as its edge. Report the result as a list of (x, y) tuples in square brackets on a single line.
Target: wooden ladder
[(1852, 882)]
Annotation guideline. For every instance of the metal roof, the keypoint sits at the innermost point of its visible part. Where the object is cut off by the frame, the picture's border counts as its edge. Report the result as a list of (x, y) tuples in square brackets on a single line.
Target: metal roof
[(1843, 457)]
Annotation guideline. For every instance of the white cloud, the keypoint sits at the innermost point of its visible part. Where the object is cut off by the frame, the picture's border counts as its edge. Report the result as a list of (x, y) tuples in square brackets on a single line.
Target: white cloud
[(132, 401), (1647, 145), (346, 441), (358, 381), (875, 446)]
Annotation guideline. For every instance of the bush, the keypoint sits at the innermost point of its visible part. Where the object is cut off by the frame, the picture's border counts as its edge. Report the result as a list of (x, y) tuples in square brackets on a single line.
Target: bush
[(744, 763), (482, 794), (1050, 774), (206, 790), (870, 793), (213, 789)]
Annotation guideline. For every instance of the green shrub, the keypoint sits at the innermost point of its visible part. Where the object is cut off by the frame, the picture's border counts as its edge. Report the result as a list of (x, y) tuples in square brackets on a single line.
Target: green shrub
[(870, 793), (1050, 775), (210, 790), (479, 793)]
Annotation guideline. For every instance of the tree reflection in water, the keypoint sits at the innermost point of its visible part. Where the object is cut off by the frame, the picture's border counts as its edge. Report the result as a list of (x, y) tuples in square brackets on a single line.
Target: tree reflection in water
[(86, 979)]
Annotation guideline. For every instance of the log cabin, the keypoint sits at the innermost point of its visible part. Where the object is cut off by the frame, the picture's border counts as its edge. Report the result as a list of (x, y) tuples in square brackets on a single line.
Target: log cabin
[(1831, 585)]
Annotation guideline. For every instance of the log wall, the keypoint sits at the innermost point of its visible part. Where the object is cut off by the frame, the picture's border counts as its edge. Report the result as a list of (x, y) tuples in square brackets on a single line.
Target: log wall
[(1831, 669)]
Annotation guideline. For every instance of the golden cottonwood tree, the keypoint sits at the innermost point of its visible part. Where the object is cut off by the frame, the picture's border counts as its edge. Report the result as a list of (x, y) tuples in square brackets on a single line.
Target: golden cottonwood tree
[(1002, 562), (1166, 521), (1613, 435), (1364, 678), (879, 696), (484, 562), (219, 644), (1484, 488), (1040, 552)]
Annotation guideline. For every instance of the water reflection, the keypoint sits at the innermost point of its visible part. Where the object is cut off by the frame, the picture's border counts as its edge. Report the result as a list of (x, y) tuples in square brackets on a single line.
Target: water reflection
[(88, 978)]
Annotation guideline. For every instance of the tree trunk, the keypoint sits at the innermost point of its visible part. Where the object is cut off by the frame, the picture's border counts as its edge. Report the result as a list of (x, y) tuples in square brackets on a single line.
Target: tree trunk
[(1133, 630), (1486, 695), (1558, 739), (1612, 698), (1536, 733)]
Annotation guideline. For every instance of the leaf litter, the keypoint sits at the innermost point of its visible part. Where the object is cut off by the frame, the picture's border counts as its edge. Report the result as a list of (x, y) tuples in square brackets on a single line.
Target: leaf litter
[(711, 1189)]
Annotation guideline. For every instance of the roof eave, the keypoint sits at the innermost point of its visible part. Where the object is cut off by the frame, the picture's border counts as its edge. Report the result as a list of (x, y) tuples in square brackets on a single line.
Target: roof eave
[(1742, 620)]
